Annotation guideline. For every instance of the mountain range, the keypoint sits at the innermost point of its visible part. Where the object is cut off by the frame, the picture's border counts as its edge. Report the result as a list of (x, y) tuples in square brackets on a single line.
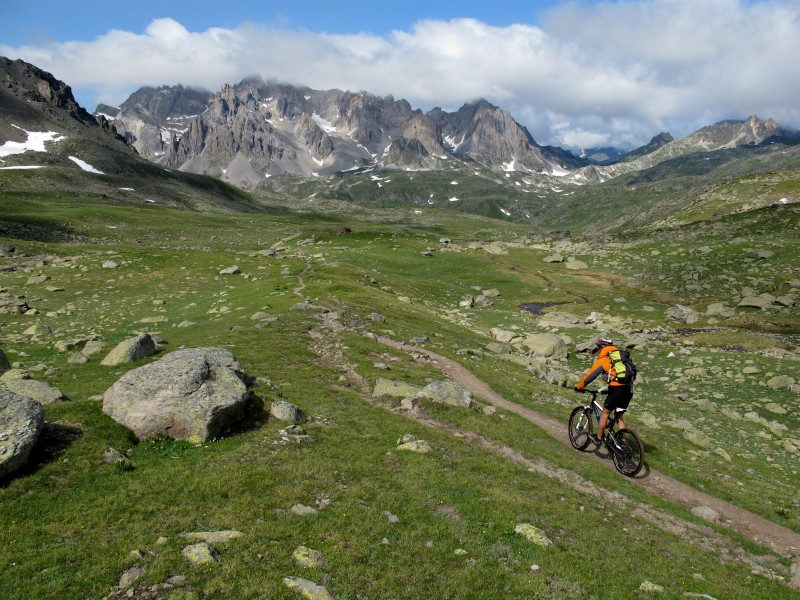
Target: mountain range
[(251, 131), (203, 150)]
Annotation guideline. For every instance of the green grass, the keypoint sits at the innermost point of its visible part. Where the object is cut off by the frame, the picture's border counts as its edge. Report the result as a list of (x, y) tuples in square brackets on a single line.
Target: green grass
[(69, 523)]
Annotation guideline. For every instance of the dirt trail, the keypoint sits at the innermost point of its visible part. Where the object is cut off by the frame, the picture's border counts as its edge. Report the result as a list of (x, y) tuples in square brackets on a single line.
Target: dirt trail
[(766, 533)]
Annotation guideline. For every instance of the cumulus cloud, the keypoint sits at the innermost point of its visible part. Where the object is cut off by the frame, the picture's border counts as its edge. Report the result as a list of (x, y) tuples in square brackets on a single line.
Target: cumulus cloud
[(612, 73)]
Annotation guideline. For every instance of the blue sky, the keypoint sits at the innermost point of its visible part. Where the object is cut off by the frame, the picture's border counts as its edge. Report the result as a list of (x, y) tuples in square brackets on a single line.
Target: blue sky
[(577, 74)]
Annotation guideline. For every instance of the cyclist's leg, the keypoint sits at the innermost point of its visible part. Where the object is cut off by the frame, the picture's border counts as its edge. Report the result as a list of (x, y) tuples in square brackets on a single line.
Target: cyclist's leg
[(603, 422), (619, 397)]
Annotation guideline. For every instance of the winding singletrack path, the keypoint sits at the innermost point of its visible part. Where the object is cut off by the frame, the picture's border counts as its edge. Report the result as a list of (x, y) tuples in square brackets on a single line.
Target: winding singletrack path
[(764, 532)]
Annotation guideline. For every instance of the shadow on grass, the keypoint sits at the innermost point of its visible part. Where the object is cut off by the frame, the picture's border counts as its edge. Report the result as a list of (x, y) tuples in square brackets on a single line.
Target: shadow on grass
[(53, 442), (38, 230)]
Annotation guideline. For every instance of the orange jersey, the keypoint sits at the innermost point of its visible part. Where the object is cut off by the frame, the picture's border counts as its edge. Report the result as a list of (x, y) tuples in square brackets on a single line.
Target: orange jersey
[(601, 367)]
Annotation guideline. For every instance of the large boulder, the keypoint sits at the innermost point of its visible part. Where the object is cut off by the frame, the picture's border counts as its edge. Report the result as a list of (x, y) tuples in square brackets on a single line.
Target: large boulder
[(194, 394), (130, 350), (762, 301), (546, 345), (21, 422)]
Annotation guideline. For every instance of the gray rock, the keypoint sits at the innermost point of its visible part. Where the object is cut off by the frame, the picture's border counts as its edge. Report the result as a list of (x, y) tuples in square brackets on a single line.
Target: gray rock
[(780, 382), (416, 446), (307, 589), (30, 388), (21, 422), (682, 314), (553, 258), (286, 411), (130, 577), (546, 345), (447, 392), (194, 394), (200, 554), (130, 350), (761, 301), (394, 389), (503, 336), (213, 537), (559, 319), (234, 270), (303, 510), (706, 512), (720, 309), (308, 558)]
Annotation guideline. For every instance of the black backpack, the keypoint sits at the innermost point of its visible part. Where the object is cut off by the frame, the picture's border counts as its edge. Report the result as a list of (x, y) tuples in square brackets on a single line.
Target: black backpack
[(622, 368)]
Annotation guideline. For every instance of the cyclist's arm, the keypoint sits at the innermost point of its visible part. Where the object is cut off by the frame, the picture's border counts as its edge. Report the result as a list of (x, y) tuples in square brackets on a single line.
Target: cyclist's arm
[(597, 369)]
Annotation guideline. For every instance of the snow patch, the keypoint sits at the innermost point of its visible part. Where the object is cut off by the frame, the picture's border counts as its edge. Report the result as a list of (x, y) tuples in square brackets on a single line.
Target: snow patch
[(510, 166), (127, 189), (324, 124), (453, 199), (22, 167), (85, 166), (34, 143)]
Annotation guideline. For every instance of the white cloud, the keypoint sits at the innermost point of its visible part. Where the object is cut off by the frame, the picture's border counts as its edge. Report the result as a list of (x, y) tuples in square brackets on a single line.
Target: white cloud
[(613, 72)]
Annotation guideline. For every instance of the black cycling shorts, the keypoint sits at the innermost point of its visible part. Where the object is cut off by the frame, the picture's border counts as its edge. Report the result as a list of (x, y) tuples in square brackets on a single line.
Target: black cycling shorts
[(619, 397)]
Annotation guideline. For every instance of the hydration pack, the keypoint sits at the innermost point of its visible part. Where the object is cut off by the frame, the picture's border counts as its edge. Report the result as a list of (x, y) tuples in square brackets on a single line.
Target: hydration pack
[(622, 368)]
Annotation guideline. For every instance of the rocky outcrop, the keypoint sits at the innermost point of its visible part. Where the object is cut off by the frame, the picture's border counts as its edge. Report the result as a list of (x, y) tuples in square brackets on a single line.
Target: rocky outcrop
[(195, 394), (21, 422)]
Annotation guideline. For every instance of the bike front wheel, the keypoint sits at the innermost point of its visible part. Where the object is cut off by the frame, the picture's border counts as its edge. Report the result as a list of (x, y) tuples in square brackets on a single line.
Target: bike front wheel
[(581, 424), (627, 451)]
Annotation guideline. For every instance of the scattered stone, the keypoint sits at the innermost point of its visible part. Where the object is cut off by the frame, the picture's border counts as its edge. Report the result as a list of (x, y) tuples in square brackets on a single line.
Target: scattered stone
[(377, 317), (78, 359), (576, 265), (194, 394), (303, 510), (394, 389), (460, 552), (130, 350), (30, 388), (200, 554), (502, 336), (447, 392), (129, 577), (775, 408), (682, 314), (416, 446), (649, 587), (533, 534), (110, 264), (707, 513), (213, 537), (234, 270), (308, 558), (286, 411), (553, 258), (720, 309), (21, 422), (307, 589), (762, 301), (392, 518), (112, 456), (780, 382)]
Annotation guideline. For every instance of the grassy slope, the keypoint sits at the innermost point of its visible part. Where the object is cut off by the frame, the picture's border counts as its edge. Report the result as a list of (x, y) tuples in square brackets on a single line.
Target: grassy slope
[(68, 525)]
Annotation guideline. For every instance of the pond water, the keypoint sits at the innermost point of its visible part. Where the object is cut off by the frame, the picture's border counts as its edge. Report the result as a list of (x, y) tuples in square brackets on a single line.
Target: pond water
[(536, 308)]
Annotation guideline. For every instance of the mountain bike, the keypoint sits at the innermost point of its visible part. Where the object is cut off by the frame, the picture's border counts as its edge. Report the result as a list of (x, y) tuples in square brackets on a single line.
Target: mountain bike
[(627, 450)]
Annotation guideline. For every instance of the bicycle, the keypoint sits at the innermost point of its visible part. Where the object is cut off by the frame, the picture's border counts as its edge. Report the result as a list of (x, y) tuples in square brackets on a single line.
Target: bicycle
[(627, 450)]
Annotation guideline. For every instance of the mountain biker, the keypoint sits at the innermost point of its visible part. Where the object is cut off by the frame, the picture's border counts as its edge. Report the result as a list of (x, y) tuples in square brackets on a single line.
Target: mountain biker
[(619, 394)]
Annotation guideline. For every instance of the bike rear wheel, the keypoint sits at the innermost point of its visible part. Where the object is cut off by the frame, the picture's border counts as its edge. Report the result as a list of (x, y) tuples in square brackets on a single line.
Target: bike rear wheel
[(581, 424), (627, 452)]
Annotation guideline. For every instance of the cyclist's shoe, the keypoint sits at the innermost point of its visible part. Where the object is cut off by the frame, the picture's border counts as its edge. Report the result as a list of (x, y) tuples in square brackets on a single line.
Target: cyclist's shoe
[(594, 440)]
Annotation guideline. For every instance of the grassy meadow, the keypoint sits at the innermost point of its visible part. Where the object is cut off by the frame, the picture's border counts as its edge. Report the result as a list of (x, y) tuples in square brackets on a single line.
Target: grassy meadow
[(71, 524)]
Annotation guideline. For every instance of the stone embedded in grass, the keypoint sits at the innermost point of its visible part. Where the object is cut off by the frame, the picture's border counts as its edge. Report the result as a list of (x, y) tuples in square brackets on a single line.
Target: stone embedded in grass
[(394, 389), (502, 336), (762, 301), (234, 270), (649, 587), (110, 264), (546, 345), (303, 510), (213, 537), (130, 350), (200, 554), (286, 411), (30, 388), (780, 382), (307, 589), (409, 443), (129, 577), (533, 534), (447, 392), (308, 558), (682, 314), (707, 513), (21, 421)]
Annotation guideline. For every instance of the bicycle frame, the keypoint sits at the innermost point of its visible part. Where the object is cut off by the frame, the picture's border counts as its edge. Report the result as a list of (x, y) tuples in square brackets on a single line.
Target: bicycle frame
[(597, 409)]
